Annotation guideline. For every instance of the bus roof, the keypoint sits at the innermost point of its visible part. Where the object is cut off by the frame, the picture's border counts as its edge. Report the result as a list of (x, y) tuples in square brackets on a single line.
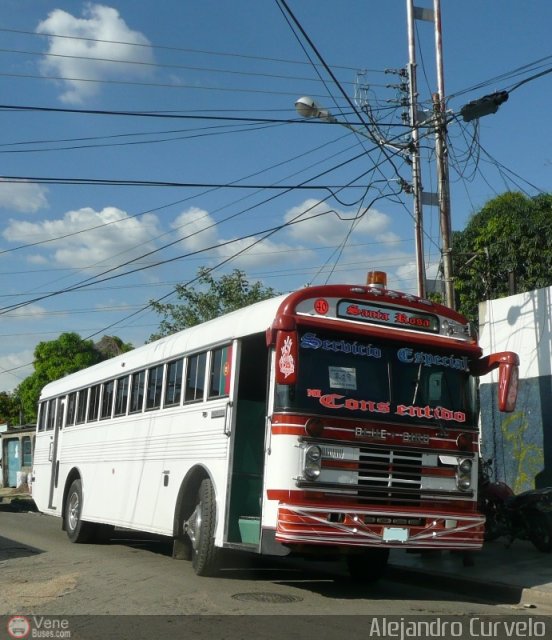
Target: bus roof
[(253, 319), (360, 306)]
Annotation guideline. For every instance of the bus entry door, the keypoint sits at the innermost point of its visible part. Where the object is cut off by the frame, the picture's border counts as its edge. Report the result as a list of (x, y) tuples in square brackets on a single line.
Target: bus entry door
[(53, 455)]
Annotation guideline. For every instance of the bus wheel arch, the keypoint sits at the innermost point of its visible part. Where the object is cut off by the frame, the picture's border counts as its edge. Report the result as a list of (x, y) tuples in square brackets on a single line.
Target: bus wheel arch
[(195, 522)]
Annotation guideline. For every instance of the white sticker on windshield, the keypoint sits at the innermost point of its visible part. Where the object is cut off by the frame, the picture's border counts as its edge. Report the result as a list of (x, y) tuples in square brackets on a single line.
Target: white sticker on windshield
[(342, 378)]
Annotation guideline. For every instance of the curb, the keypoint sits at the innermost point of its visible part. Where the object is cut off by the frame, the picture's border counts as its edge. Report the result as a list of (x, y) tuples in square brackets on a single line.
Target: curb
[(487, 590)]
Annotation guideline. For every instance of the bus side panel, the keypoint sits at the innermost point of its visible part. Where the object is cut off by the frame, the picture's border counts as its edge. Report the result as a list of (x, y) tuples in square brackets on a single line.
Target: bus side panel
[(282, 466), (114, 469), (136, 466), (197, 437)]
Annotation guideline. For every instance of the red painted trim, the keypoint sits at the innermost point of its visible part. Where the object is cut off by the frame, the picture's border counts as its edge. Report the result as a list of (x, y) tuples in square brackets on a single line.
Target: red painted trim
[(343, 430), (288, 305), (352, 465), (360, 527), (440, 472)]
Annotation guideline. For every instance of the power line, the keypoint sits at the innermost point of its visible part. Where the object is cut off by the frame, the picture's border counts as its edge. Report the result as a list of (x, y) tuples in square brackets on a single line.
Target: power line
[(226, 54), (171, 115), (157, 65)]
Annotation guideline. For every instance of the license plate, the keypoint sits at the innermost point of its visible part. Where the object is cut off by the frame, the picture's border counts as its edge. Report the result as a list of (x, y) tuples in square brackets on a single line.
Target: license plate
[(395, 534)]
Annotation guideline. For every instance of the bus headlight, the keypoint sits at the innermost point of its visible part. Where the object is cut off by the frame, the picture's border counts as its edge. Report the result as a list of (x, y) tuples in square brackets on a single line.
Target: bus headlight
[(464, 474), (313, 462), (465, 466)]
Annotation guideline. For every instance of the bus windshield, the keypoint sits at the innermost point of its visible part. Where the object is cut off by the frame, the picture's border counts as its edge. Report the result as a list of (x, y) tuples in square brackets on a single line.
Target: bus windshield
[(338, 375)]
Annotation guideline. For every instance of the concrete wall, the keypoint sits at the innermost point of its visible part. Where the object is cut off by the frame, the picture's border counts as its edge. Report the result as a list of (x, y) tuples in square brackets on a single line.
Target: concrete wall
[(520, 443)]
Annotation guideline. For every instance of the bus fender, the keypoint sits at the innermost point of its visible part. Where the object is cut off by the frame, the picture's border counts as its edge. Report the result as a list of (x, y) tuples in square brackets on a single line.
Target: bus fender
[(186, 499)]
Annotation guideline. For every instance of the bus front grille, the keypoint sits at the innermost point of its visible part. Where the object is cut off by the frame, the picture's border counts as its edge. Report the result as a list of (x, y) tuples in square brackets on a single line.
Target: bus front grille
[(389, 475)]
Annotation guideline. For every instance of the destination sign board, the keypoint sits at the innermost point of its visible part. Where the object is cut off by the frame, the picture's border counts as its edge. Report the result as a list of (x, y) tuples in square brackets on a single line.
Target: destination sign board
[(389, 316)]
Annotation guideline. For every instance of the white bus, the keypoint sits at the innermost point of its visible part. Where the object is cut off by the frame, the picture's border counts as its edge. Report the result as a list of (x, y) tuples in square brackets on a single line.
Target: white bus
[(337, 418)]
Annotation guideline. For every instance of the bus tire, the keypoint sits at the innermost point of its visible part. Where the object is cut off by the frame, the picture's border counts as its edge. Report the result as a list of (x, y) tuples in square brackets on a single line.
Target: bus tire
[(200, 528), (368, 566), (76, 529)]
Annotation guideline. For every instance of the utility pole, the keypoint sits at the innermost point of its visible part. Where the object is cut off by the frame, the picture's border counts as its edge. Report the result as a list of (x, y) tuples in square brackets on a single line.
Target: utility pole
[(441, 153), (415, 153)]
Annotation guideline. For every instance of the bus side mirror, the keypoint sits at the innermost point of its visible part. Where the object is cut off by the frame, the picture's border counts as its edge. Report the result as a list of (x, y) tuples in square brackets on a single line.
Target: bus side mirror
[(507, 363), (508, 377)]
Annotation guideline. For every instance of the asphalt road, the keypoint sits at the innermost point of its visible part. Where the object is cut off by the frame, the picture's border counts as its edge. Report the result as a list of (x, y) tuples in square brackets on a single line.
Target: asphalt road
[(43, 574)]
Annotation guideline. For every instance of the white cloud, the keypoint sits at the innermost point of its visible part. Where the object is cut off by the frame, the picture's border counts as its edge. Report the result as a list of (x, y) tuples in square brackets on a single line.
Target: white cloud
[(101, 34), (390, 237), (200, 231), (37, 259), (117, 237), (325, 224), (371, 245), (266, 253), (11, 379), (28, 312), (22, 196), (407, 272), (197, 228)]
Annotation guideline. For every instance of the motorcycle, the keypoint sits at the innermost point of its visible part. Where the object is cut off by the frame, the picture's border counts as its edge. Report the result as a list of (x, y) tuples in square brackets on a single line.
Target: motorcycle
[(525, 516)]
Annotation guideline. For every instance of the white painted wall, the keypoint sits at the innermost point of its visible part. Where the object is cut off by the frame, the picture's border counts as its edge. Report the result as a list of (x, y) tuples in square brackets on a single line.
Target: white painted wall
[(521, 442)]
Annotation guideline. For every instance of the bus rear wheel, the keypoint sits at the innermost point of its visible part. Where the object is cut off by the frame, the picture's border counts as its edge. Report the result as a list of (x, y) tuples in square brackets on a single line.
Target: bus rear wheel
[(77, 530), (368, 566), (200, 528)]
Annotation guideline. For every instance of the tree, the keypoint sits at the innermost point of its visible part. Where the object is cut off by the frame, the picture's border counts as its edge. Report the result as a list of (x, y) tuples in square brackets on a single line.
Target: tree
[(9, 408), (111, 346), (57, 358), (228, 293), (505, 248)]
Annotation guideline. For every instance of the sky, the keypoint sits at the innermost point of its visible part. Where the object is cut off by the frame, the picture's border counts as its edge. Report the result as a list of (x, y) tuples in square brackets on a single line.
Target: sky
[(144, 140)]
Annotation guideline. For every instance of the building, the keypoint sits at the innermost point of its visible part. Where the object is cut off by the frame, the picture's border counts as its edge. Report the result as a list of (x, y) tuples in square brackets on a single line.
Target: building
[(520, 443), (17, 446)]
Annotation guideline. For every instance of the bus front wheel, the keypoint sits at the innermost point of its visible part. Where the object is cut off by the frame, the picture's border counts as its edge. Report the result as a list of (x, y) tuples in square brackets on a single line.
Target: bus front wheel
[(77, 530), (200, 528)]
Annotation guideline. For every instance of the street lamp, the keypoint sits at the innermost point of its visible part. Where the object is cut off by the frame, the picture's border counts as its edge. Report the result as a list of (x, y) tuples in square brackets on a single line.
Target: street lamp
[(306, 107)]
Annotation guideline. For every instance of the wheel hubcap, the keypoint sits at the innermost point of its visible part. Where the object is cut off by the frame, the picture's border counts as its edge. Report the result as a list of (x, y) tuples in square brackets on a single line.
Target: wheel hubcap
[(193, 527), (73, 511)]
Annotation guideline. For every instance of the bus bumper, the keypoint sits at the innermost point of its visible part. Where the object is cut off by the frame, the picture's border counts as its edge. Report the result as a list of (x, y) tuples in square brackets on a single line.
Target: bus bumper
[(358, 527)]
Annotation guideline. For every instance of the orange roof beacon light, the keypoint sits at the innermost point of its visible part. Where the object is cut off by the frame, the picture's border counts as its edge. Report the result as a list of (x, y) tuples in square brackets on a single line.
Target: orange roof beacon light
[(377, 279)]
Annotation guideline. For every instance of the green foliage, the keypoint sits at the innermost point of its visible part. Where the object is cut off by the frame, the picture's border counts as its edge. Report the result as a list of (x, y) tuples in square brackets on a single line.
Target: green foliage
[(58, 358), (217, 297), (111, 346), (509, 240), (9, 408)]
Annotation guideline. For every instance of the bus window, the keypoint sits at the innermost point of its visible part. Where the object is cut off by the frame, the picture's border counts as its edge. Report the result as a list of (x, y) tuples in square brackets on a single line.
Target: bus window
[(81, 406), (173, 390), (51, 415), (107, 400), (155, 385), (195, 378), (71, 408), (59, 413), (121, 396), (137, 391), (42, 416), (94, 403), (219, 376)]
